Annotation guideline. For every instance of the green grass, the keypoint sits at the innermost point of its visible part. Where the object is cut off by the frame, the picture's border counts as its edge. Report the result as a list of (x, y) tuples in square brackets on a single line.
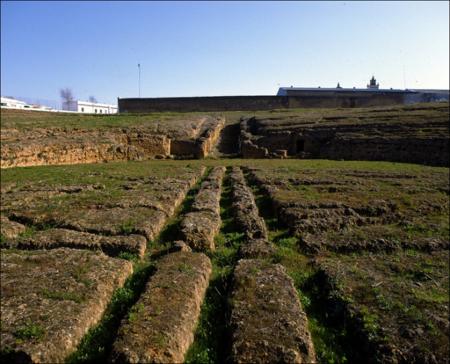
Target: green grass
[(29, 331), (63, 296), (33, 119)]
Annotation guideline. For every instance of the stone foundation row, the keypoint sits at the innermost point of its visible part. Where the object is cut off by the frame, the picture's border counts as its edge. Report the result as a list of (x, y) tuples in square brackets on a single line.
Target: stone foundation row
[(267, 320), (200, 226)]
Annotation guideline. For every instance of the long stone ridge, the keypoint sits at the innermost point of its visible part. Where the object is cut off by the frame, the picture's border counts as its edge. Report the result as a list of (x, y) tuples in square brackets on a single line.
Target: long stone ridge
[(160, 326), (50, 299), (57, 238), (199, 226), (248, 219), (268, 322)]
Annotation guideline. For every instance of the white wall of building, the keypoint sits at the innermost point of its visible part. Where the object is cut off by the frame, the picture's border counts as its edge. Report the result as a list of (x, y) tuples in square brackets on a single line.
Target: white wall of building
[(9, 103), (95, 108), (87, 107), (84, 107)]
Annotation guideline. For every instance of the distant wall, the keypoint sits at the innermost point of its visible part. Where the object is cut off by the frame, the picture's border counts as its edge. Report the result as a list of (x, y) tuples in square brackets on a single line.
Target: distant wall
[(213, 103), (229, 103), (302, 99), (345, 99)]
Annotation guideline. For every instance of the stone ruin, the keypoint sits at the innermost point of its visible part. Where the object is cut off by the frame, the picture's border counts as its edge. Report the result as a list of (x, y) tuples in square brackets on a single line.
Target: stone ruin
[(412, 135)]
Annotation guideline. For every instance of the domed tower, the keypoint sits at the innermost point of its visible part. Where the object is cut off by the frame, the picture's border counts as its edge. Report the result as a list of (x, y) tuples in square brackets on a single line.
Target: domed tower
[(373, 84)]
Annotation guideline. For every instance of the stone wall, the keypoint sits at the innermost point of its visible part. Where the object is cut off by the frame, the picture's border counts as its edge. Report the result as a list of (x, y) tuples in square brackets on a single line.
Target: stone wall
[(249, 103), (190, 104)]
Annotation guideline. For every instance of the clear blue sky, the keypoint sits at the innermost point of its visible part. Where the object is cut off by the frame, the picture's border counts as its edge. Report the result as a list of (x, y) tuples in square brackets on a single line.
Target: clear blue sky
[(218, 48)]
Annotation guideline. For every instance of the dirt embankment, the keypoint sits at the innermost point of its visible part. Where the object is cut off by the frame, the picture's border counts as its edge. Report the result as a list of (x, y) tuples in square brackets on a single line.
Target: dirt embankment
[(54, 146), (417, 134)]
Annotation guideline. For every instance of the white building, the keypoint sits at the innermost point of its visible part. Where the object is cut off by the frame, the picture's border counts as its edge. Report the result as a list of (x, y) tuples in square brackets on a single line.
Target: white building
[(87, 107), (9, 103)]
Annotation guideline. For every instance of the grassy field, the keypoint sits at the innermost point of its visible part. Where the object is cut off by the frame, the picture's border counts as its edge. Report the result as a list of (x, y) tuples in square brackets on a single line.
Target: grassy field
[(26, 120), (88, 172), (386, 303)]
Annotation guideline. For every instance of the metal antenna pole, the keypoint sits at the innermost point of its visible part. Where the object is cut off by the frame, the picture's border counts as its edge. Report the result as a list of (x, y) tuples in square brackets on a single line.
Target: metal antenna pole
[(404, 77), (139, 68)]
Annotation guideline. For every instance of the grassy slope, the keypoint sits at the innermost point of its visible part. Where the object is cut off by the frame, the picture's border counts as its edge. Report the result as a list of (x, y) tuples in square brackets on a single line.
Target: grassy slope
[(35, 119)]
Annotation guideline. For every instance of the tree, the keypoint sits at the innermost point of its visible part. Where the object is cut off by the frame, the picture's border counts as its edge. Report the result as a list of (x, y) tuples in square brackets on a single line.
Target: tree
[(92, 99), (66, 95)]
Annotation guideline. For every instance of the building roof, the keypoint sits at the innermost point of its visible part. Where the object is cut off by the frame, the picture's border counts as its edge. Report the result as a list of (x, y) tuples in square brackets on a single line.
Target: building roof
[(9, 99), (341, 89)]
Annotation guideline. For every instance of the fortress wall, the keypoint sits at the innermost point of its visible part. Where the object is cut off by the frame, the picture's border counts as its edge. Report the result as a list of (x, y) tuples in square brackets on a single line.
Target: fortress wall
[(229, 103), (191, 104)]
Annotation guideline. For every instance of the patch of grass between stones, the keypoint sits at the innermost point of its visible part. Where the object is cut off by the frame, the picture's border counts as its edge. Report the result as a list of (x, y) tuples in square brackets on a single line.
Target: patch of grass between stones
[(29, 331)]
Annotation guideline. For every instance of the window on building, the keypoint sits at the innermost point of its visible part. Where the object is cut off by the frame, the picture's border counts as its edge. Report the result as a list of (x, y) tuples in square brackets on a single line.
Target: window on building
[(101, 111), (82, 109), (96, 111)]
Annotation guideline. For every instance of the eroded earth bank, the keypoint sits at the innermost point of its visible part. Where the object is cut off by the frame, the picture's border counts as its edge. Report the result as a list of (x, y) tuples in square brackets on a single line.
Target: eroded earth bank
[(410, 134), (186, 137)]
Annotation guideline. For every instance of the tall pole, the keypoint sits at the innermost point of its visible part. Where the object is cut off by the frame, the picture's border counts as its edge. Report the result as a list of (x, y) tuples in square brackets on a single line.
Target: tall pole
[(139, 82)]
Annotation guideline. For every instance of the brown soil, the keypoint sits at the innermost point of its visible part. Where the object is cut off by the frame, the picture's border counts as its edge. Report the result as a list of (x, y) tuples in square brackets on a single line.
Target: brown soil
[(10, 229)]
